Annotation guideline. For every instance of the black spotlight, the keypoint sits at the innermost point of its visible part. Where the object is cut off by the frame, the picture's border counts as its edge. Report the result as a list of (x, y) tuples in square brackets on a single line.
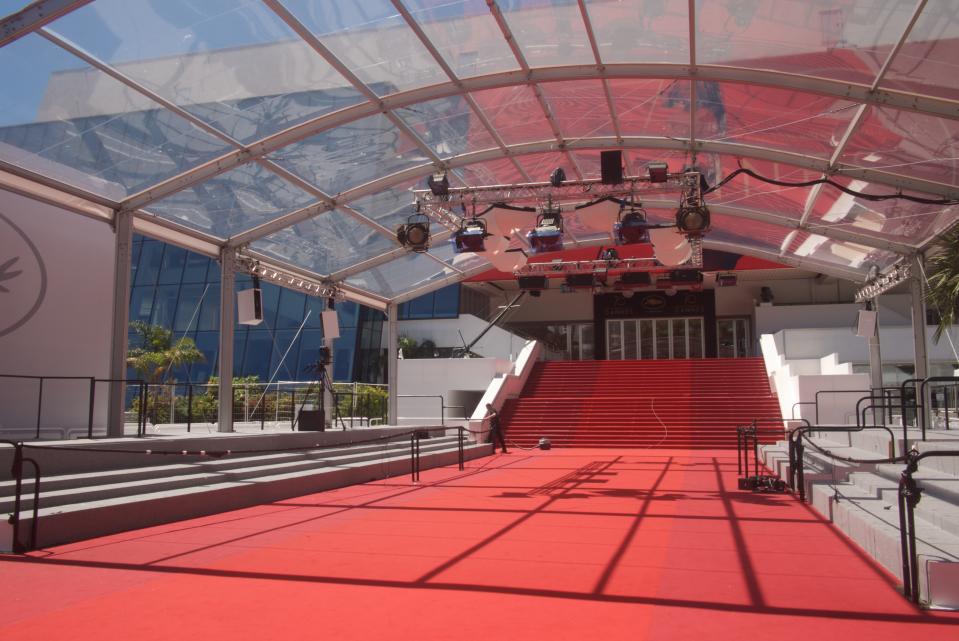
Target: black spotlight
[(692, 219), (470, 237), (557, 177), (632, 227), (439, 184), (415, 234), (547, 236), (658, 172)]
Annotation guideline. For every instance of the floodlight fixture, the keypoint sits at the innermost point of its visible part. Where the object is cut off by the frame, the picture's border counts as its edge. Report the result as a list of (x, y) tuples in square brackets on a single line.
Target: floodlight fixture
[(658, 172), (631, 227), (439, 183), (470, 237), (415, 233), (692, 219), (547, 236)]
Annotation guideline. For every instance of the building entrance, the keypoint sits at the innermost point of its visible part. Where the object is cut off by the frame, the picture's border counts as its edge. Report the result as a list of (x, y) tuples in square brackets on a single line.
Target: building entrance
[(648, 338)]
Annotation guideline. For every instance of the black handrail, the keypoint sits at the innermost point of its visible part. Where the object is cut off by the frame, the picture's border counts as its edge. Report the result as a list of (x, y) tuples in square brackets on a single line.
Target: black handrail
[(922, 395), (909, 495), (443, 405), (742, 431), (16, 471), (792, 411), (871, 391)]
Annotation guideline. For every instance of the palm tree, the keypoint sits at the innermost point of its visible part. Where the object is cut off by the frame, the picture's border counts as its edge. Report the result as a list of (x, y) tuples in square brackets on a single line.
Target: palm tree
[(157, 354), (942, 272)]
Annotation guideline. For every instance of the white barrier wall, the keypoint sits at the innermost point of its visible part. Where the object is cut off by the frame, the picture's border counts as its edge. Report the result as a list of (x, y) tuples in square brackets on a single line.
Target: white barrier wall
[(56, 297), (455, 332), (460, 381)]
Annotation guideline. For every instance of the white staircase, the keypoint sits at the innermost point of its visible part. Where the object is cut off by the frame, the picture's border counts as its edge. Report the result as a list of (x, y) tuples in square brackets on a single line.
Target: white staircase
[(133, 491), (862, 500)]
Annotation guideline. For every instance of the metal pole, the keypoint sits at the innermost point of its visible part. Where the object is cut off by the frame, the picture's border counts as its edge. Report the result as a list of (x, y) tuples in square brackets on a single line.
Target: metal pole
[(393, 364), (189, 406), (227, 320), (921, 355), (123, 228), (875, 360), (292, 409), (93, 399), (39, 406)]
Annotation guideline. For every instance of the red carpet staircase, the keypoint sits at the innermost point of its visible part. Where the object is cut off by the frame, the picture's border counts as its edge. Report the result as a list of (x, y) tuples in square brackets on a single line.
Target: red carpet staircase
[(651, 403)]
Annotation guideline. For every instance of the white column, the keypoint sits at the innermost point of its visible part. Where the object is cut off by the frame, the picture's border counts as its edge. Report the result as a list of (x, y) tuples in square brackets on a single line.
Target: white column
[(227, 320), (920, 355), (875, 366), (123, 229), (393, 362)]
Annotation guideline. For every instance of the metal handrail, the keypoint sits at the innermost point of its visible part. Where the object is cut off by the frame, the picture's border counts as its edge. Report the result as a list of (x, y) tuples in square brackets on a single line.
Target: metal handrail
[(870, 391), (909, 495), (443, 405), (922, 394)]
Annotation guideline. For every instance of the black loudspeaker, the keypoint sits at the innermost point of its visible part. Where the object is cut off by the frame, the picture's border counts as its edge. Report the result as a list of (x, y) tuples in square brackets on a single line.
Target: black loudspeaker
[(532, 282), (636, 278), (611, 167), (580, 280), (311, 421), (686, 276)]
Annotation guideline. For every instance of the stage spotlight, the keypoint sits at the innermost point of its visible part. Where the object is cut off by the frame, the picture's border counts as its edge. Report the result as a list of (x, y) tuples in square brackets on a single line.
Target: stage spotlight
[(470, 237), (439, 184), (415, 234), (692, 219), (557, 177), (631, 228), (658, 172), (547, 236)]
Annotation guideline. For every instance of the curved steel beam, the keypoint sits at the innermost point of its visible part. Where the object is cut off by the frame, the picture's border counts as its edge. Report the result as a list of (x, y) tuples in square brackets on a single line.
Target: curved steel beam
[(853, 92)]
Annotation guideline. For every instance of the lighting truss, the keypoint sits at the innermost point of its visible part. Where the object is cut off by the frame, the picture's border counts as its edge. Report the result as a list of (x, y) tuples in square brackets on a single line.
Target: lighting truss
[(441, 208), (289, 279), (900, 273), (591, 266)]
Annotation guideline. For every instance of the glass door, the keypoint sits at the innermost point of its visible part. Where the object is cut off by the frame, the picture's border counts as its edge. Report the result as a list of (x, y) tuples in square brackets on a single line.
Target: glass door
[(732, 336), (642, 338)]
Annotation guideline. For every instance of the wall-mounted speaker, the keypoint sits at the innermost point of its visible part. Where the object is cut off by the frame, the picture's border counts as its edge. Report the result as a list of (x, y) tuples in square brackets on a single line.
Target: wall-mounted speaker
[(685, 276), (532, 282), (866, 326), (611, 167), (636, 278), (249, 307), (331, 325)]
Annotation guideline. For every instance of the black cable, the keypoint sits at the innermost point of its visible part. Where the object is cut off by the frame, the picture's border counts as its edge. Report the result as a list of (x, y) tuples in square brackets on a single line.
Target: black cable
[(832, 183), (846, 459)]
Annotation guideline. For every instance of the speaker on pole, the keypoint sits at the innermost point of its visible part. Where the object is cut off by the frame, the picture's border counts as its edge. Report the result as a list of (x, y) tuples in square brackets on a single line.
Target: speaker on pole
[(249, 304), (611, 167)]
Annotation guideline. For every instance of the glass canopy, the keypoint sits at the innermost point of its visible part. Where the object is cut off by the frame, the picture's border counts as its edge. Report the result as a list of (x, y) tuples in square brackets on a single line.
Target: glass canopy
[(294, 130)]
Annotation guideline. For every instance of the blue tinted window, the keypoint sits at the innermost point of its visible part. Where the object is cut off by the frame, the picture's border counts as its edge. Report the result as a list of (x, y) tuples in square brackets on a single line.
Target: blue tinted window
[(310, 342), (141, 304), (446, 302), (287, 368), (164, 305), (271, 299), (209, 318), (148, 270), (290, 309), (195, 269), (188, 309), (347, 312), (171, 267)]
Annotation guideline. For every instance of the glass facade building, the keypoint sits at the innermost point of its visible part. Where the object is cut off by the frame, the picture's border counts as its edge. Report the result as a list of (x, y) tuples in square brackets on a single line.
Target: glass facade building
[(180, 290)]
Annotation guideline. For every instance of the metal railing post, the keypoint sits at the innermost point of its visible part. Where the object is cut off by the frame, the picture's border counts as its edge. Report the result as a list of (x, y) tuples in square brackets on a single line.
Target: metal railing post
[(292, 409), (39, 406), (462, 453), (93, 397), (189, 406)]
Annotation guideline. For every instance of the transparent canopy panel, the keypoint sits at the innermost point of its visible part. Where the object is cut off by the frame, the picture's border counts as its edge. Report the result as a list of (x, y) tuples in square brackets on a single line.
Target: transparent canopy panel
[(465, 34), (895, 219), (651, 107), (408, 272), (492, 172), (843, 254), (326, 243), (540, 166), (351, 155), (390, 207), (234, 64), (70, 122), (906, 143), (235, 201), (844, 40), (579, 107), (549, 33), (926, 64), (746, 232), (515, 114), (641, 31), (372, 40), (747, 192), (448, 125), (782, 119)]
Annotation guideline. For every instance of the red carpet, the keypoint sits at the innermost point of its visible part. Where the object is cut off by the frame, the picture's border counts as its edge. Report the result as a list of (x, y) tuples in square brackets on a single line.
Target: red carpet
[(568, 544), (684, 404)]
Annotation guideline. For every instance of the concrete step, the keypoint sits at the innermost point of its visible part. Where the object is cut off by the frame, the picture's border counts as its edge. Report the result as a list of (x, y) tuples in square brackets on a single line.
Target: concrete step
[(78, 488), (113, 512)]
